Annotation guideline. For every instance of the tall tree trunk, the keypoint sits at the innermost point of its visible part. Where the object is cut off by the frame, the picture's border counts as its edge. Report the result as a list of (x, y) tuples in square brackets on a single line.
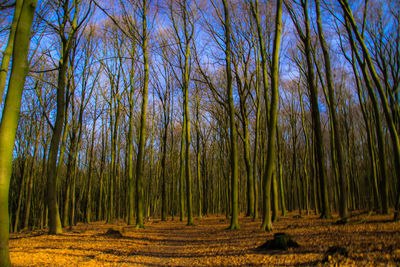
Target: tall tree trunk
[(90, 170), (181, 173), (164, 172), (10, 115), (142, 129), (130, 142), (232, 125), (53, 212), (271, 159), (319, 144), (275, 197), (315, 113), (68, 181), (22, 186), (256, 130), (42, 203), (335, 125), (151, 171), (186, 100), (378, 121), (5, 61), (104, 144), (263, 53), (172, 160), (280, 173), (384, 100), (30, 178), (198, 168), (73, 187), (306, 139), (371, 143), (66, 46), (248, 164)]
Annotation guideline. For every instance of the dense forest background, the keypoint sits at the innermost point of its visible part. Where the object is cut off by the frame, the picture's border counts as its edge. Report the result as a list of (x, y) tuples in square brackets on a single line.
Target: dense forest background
[(140, 109)]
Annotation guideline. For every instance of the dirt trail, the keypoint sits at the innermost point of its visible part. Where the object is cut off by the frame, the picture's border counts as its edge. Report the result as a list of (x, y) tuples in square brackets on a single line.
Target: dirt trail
[(374, 242)]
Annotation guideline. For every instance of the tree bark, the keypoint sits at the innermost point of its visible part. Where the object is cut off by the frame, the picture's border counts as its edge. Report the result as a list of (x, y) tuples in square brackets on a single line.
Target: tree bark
[(384, 100), (142, 129), (66, 46), (232, 125), (10, 115), (271, 157), (5, 61), (343, 212)]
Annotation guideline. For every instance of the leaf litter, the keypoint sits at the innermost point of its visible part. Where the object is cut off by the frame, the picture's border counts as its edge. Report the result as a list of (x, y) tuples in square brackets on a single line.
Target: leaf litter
[(374, 242)]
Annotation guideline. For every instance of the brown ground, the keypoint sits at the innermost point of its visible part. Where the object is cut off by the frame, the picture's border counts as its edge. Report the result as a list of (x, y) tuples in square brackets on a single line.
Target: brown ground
[(375, 241)]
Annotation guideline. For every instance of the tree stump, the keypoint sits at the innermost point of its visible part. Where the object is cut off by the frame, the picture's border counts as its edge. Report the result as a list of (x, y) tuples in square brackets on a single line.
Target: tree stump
[(281, 241), (112, 233)]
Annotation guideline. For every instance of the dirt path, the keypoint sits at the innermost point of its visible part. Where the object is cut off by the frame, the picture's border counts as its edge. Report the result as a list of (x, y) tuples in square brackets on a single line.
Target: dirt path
[(375, 242)]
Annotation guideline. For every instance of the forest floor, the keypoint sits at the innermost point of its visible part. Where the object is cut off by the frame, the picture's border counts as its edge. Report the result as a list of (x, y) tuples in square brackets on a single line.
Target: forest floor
[(369, 241)]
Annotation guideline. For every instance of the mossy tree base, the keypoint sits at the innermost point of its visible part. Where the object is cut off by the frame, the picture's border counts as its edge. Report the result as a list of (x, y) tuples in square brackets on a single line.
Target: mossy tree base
[(266, 227), (234, 227), (139, 226)]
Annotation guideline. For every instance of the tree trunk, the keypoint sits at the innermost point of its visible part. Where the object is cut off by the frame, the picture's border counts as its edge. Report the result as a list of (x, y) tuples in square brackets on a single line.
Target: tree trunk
[(30, 178), (280, 173), (335, 125), (232, 125), (378, 122), (9, 121), (142, 129), (181, 173), (371, 143), (5, 61), (271, 159), (130, 142), (53, 212), (198, 168), (66, 46), (256, 144), (21, 191), (164, 173), (384, 100), (315, 113), (90, 170)]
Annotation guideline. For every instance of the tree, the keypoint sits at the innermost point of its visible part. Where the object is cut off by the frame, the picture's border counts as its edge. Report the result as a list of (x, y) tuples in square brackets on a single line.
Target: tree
[(223, 100), (315, 111), (68, 29), (232, 123), (164, 94), (332, 111), (383, 96), (143, 116), (243, 46), (11, 111), (184, 43), (263, 54), (198, 147), (270, 164), (113, 68), (5, 61)]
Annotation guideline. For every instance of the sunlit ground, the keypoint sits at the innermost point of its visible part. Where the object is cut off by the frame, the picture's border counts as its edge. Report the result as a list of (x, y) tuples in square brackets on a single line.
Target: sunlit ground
[(370, 241)]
